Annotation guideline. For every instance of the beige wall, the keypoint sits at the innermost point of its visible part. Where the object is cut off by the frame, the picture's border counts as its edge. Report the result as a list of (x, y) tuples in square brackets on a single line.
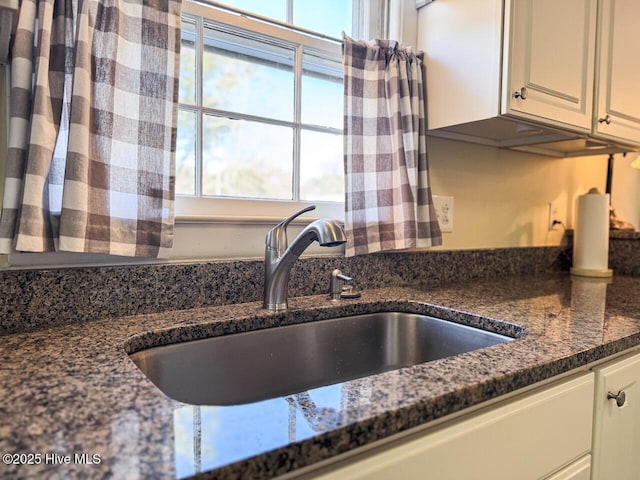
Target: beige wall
[(501, 197)]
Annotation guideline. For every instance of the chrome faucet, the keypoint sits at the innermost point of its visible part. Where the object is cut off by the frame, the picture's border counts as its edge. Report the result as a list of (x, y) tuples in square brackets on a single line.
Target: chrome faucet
[(279, 257)]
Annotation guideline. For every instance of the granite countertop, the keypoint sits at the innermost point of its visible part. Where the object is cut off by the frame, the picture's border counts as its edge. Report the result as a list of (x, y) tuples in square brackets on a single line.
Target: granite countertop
[(72, 390)]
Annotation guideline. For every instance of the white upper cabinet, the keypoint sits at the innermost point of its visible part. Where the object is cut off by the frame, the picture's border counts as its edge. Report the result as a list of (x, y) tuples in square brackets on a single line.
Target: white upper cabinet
[(534, 75), (618, 87), (462, 43), (551, 58)]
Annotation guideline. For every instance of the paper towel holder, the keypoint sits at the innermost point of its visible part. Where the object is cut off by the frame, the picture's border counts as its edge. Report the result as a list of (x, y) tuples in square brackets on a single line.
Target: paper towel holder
[(597, 243), (585, 272)]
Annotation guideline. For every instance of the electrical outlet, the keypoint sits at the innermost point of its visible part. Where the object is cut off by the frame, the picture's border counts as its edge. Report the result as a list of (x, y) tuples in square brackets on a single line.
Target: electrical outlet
[(444, 212), (555, 218)]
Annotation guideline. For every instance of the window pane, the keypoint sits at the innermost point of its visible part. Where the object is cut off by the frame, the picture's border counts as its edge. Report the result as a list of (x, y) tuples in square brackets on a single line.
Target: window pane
[(332, 18), (188, 63), (247, 76), (322, 92), (186, 153), (276, 9), (321, 167), (246, 159)]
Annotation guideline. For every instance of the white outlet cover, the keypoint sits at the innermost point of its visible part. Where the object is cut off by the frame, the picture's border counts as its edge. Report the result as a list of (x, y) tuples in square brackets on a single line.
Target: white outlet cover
[(554, 215), (444, 212)]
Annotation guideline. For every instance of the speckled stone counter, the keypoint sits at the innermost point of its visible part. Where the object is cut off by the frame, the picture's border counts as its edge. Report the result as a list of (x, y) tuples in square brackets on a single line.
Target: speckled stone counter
[(73, 390), (34, 299)]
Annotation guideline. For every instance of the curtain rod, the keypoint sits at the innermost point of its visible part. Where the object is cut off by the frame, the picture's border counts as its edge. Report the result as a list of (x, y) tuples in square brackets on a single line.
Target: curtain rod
[(264, 19)]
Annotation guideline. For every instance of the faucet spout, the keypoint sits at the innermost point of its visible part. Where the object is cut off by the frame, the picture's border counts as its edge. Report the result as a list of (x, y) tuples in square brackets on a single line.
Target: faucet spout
[(280, 257), (327, 232)]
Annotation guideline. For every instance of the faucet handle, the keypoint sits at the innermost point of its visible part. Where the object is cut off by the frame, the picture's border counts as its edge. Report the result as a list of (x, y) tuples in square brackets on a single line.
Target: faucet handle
[(277, 236)]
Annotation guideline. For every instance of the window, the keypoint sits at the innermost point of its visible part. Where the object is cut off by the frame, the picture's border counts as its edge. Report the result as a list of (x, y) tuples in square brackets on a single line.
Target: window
[(261, 109), (315, 63)]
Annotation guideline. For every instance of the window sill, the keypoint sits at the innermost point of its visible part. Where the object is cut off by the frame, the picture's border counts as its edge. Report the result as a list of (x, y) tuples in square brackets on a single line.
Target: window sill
[(235, 211)]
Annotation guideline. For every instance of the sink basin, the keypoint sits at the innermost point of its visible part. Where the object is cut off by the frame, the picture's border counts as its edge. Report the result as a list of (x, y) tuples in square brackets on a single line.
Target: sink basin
[(253, 366)]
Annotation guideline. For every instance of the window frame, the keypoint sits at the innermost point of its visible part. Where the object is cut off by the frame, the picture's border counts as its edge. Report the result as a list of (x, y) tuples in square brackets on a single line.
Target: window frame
[(196, 207)]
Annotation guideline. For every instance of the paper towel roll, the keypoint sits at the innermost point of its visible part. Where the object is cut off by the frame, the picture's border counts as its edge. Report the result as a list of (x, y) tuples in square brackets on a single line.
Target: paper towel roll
[(591, 236)]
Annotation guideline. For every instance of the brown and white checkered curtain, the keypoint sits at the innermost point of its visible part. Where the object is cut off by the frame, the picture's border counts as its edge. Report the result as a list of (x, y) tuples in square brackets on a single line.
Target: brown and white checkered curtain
[(388, 200), (92, 128)]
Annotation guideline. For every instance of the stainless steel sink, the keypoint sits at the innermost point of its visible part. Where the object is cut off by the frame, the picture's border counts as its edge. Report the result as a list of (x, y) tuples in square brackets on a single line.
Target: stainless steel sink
[(257, 365)]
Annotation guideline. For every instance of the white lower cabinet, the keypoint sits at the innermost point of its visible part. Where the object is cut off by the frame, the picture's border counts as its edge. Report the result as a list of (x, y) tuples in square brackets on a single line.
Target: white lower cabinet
[(543, 434), (616, 426)]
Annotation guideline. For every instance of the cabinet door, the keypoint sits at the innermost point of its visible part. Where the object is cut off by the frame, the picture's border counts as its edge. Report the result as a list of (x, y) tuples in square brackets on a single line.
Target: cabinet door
[(616, 438), (551, 52), (618, 91)]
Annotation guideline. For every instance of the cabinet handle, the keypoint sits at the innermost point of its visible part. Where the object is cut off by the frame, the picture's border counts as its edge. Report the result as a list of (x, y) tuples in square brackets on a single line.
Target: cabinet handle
[(606, 120), (619, 397), (523, 93)]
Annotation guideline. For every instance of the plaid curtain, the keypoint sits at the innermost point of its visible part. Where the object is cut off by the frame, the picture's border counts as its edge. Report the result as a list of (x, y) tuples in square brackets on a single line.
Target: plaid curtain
[(92, 128), (388, 201)]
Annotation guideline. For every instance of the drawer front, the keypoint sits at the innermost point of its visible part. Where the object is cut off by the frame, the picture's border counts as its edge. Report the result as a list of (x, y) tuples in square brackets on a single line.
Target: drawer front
[(527, 438)]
